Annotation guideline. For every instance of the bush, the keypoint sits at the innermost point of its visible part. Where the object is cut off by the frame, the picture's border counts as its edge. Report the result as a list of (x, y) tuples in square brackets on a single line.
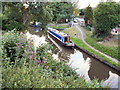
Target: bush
[(39, 70), (10, 41)]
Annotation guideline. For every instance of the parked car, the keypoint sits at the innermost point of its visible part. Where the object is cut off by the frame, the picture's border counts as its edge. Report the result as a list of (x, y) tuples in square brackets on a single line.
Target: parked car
[(75, 20)]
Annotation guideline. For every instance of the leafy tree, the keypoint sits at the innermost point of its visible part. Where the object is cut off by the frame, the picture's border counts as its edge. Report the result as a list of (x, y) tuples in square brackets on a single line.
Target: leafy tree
[(11, 16), (41, 12), (61, 11), (15, 15), (88, 15), (106, 18)]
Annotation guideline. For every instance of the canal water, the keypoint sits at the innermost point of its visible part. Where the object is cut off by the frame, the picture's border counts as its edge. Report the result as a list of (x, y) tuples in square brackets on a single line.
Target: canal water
[(84, 64)]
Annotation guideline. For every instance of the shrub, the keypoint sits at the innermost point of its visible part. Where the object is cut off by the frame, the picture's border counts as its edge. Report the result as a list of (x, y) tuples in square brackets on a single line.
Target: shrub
[(10, 41), (39, 70)]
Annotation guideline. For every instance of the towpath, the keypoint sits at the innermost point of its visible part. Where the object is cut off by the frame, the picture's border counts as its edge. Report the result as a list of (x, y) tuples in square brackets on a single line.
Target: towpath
[(82, 37)]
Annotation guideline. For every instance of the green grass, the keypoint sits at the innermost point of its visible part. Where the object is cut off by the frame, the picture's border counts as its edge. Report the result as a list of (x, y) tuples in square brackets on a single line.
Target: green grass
[(82, 45), (58, 27), (113, 52)]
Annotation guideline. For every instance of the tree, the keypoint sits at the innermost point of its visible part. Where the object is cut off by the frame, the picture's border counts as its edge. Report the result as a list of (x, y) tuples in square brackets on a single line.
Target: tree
[(106, 18), (16, 15), (62, 11), (88, 15), (41, 12), (11, 16)]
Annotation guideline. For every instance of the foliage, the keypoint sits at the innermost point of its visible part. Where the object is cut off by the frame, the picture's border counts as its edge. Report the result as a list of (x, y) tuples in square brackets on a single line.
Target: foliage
[(16, 16), (39, 70), (106, 18), (12, 17), (62, 11), (10, 41), (41, 12), (88, 16)]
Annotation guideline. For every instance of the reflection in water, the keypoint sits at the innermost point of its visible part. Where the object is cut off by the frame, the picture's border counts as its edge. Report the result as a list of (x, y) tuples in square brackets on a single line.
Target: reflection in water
[(85, 64), (37, 41), (63, 52), (113, 80), (77, 62)]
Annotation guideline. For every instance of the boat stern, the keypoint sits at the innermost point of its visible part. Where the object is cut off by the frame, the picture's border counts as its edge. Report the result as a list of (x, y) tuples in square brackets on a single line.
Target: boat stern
[(70, 44)]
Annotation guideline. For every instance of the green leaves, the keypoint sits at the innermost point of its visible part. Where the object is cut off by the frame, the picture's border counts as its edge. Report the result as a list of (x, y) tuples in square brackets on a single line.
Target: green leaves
[(88, 15), (106, 17), (61, 11), (12, 16)]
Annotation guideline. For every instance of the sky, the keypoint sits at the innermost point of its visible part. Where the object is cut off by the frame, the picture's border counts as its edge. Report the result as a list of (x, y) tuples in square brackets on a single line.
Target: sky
[(93, 3)]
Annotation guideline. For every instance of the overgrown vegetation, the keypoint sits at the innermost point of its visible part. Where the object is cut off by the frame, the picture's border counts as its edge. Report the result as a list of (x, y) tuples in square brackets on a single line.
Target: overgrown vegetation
[(36, 70)]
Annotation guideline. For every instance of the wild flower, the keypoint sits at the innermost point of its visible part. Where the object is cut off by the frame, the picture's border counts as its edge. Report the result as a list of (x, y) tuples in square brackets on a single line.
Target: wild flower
[(25, 51), (28, 46), (39, 57), (36, 61), (57, 72), (39, 62), (83, 76), (21, 33), (31, 57), (16, 43), (31, 51), (21, 38), (60, 84), (44, 60)]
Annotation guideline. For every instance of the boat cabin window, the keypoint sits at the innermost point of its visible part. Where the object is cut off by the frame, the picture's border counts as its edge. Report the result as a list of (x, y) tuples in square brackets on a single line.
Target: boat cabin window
[(66, 39)]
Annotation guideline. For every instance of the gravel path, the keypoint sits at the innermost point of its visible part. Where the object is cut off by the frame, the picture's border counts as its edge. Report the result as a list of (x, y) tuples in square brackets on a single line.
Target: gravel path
[(113, 59)]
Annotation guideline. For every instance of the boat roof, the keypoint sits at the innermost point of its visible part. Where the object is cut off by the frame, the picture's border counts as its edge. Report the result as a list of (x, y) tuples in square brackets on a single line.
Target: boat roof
[(57, 32)]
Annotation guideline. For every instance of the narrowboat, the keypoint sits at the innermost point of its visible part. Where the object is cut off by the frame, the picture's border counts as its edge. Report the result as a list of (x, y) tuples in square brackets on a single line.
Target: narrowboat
[(62, 37)]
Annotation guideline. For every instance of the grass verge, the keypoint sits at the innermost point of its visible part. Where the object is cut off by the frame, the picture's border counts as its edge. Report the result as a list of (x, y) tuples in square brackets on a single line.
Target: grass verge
[(58, 27), (113, 52), (109, 50), (82, 45)]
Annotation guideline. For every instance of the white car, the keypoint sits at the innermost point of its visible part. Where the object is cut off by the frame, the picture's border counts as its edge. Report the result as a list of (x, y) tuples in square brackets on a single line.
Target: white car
[(75, 20)]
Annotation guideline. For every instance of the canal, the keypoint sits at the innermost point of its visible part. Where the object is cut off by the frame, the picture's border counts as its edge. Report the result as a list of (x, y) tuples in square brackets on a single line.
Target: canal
[(84, 64)]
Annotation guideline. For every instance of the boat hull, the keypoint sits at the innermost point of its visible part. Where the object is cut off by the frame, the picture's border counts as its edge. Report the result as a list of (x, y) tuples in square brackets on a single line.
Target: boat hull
[(59, 38)]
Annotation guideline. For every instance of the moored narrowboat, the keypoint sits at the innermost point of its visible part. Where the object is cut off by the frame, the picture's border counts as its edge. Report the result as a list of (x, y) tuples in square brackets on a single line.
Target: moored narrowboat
[(62, 37)]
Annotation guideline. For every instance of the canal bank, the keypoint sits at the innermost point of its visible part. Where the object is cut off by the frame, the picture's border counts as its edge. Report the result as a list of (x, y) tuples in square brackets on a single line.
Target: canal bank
[(98, 58), (78, 39), (84, 64)]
